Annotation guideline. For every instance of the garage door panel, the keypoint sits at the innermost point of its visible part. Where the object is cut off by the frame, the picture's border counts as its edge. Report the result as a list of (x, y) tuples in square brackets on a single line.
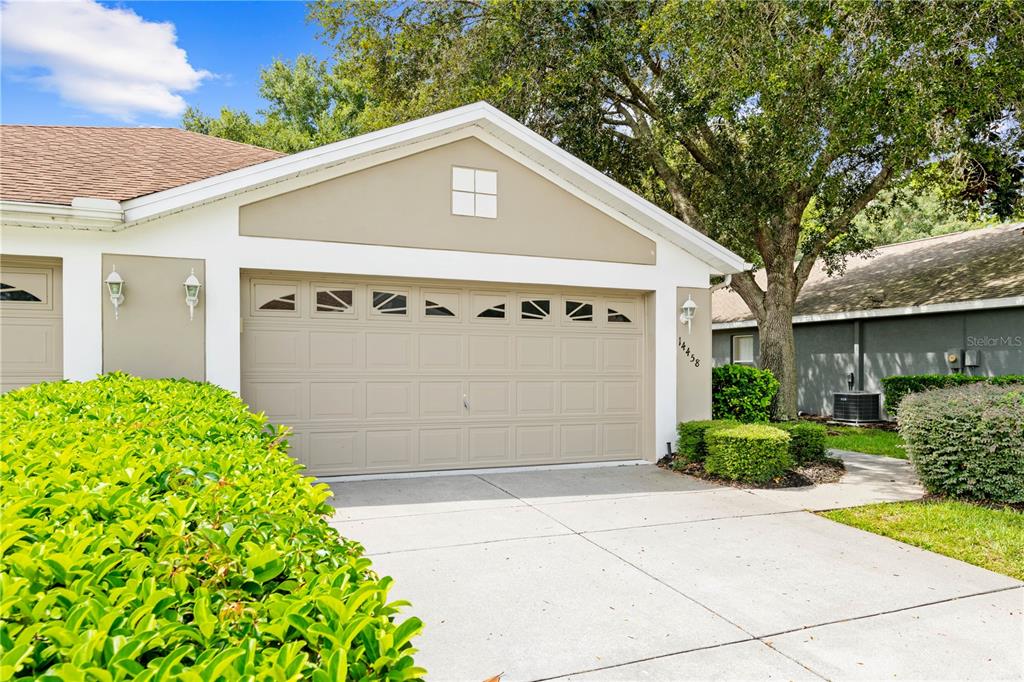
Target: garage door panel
[(275, 349), (536, 398), (621, 355), (335, 400), (433, 375), (535, 353), (389, 449), (489, 444), (489, 399), (389, 400), (621, 397), (440, 352), (388, 351), (535, 443), (28, 346), (333, 350), (579, 397), (620, 439), (489, 353), (336, 451), (282, 401), (579, 441), (440, 447), (579, 354), (440, 399)]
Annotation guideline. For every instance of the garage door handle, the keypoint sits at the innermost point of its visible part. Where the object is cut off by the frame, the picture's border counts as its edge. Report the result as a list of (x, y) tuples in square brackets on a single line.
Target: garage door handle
[(465, 402)]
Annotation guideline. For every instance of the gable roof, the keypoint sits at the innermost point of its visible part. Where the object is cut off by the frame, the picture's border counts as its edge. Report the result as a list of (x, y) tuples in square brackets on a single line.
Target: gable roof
[(500, 130), (958, 268), (57, 164)]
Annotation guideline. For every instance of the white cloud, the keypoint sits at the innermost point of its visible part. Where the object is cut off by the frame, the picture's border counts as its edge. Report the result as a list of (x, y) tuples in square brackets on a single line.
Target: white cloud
[(107, 60)]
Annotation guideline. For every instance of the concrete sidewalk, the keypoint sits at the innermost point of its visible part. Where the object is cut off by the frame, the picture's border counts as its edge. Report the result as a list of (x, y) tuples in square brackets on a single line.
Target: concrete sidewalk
[(629, 573)]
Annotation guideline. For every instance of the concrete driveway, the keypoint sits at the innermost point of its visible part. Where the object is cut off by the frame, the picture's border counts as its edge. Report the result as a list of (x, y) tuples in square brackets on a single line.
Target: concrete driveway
[(635, 573)]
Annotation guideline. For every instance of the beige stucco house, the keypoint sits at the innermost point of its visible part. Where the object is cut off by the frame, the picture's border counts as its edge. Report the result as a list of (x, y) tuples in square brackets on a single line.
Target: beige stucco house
[(455, 292)]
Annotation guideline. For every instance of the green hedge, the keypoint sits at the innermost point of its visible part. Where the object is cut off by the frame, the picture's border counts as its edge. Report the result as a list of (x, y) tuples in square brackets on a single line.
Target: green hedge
[(896, 388), (156, 529), (807, 441), (742, 393), (748, 452), (692, 444), (968, 442)]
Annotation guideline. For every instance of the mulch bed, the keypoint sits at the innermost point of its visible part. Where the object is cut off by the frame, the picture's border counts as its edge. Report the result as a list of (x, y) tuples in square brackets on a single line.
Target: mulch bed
[(829, 470)]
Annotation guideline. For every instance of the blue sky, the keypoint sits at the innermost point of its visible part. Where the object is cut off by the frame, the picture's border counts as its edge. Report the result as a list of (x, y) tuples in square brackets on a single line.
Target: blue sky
[(140, 63)]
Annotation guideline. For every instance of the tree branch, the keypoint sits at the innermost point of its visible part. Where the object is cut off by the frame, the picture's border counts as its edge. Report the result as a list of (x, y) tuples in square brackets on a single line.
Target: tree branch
[(746, 286)]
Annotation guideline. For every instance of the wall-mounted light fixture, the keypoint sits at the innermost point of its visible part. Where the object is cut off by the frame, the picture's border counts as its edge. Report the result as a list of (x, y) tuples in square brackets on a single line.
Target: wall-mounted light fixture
[(115, 287), (192, 286), (686, 313)]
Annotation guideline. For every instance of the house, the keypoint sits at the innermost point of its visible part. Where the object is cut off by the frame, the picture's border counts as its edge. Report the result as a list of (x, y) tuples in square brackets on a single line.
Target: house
[(936, 305), (454, 292)]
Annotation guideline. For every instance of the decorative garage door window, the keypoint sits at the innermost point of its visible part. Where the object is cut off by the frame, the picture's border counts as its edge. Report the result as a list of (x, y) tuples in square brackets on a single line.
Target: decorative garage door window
[(334, 301), (579, 311), (440, 303), (615, 316), (488, 306), (390, 303), (535, 309), (274, 297), (9, 292), (24, 286), (621, 312)]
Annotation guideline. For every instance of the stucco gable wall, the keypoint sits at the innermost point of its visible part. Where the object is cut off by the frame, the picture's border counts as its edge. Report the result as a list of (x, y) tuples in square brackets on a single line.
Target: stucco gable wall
[(407, 203)]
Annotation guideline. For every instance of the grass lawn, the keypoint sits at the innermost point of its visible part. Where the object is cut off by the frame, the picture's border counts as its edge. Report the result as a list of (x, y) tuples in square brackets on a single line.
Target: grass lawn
[(871, 441), (990, 538)]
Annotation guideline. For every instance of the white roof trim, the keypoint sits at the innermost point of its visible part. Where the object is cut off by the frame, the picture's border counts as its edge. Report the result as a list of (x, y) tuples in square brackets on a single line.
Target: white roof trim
[(31, 214), (504, 128), (928, 308)]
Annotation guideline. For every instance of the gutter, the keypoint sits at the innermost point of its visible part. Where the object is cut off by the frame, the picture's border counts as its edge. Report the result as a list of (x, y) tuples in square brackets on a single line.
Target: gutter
[(83, 214), (925, 309)]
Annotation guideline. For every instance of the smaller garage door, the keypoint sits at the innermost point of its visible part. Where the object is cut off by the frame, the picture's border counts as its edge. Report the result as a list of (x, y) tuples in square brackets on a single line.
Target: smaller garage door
[(30, 321), (393, 375)]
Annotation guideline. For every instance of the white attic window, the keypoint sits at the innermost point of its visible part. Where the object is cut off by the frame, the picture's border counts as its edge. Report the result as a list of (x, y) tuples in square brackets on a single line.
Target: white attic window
[(474, 192)]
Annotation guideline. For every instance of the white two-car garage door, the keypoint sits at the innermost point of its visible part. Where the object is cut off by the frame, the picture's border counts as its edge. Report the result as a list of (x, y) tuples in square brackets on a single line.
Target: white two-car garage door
[(392, 375)]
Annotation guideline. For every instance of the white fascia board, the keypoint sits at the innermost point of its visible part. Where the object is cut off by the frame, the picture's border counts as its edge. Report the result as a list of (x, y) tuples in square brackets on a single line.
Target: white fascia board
[(30, 214), (926, 309), (480, 114)]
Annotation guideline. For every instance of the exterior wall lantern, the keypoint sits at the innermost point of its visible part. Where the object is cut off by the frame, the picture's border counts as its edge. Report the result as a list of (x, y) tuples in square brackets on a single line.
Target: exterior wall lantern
[(115, 287), (686, 313), (192, 287)]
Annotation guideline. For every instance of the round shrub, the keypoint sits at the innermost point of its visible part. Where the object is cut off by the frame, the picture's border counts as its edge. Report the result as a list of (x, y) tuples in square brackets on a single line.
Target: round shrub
[(157, 529), (691, 446), (968, 441), (742, 393), (756, 453), (808, 441)]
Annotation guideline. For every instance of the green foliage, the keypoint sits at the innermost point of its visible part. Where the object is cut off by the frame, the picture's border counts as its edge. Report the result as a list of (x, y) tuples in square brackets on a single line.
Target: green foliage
[(898, 387), (807, 441), (742, 393), (864, 439), (908, 214), (691, 446), (968, 441), (734, 116), (309, 105), (156, 529), (756, 453)]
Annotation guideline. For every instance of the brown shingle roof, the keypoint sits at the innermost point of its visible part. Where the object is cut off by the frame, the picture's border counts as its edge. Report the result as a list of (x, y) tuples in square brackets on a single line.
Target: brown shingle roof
[(964, 266), (54, 164)]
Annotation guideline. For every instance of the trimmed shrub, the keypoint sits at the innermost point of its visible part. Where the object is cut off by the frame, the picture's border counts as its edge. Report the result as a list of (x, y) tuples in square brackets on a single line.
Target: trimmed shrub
[(742, 393), (748, 452), (691, 446), (807, 441), (896, 388), (156, 529), (968, 442)]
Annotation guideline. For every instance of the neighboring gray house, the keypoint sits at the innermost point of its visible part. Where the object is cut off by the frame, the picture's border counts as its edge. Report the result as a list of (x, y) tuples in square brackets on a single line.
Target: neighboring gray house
[(904, 310)]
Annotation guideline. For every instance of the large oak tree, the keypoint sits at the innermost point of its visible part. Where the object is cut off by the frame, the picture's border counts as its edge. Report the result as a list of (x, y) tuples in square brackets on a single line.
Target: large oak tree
[(769, 126)]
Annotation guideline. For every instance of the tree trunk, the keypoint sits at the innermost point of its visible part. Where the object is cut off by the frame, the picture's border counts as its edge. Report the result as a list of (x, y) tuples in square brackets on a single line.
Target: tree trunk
[(778, 351)]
